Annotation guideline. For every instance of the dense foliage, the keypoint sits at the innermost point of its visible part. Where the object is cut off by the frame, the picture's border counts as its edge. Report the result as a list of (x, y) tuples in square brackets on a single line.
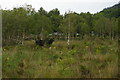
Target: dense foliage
[(113, 11), (26, 23)]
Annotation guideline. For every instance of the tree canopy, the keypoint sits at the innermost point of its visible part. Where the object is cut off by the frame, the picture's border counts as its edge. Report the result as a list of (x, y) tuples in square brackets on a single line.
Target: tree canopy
[(20, 23)]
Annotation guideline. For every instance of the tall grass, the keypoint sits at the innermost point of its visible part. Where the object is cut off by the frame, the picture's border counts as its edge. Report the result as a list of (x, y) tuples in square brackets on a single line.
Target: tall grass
[(81, 59)]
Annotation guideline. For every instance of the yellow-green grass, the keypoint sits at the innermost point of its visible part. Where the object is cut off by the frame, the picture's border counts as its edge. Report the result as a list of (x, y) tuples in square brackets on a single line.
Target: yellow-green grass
[(81, 59)]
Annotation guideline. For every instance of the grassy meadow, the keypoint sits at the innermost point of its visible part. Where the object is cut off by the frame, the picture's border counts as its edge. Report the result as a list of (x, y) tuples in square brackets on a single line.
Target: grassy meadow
[(88, 58)]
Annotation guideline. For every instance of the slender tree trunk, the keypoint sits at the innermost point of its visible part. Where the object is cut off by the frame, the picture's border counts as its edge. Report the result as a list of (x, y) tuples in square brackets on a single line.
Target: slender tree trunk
[(17, 39), (23, 37), (112, 35), (68, 42), (41, 34)]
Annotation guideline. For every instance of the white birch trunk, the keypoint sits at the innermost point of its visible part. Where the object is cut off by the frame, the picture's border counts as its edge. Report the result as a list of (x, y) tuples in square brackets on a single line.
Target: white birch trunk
[(68, 42)]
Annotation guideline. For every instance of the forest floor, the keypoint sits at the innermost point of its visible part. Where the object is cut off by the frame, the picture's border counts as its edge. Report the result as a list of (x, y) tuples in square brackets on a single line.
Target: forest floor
[(82, 59)]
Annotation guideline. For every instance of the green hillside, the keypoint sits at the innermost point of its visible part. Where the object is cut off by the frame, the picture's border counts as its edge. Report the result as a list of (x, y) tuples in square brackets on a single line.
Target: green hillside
[(113, 11)]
